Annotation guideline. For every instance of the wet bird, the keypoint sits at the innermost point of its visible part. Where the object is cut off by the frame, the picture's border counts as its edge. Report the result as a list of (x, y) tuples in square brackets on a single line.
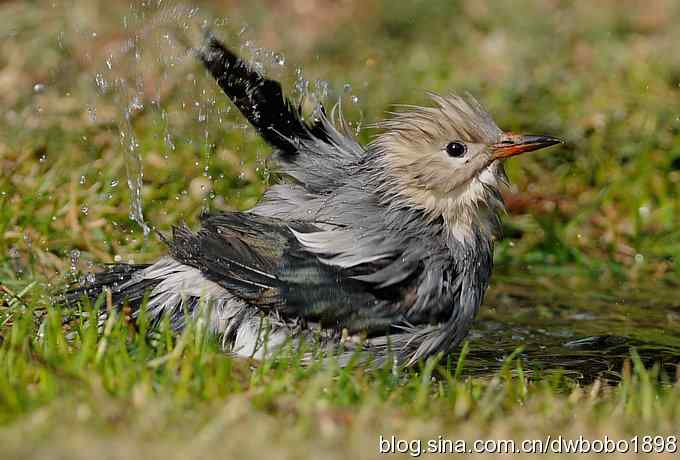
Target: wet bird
[(384, 249)]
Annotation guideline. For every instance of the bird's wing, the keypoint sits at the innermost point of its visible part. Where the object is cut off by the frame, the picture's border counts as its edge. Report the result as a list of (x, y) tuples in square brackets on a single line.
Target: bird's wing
[(316, 154), (260, 260)]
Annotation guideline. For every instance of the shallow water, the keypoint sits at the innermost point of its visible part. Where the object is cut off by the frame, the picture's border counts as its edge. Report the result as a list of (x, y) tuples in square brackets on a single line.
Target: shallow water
[(585, 334)]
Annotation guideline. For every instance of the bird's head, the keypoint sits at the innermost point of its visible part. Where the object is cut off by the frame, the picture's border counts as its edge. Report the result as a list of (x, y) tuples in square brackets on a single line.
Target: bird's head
[(447, 160)]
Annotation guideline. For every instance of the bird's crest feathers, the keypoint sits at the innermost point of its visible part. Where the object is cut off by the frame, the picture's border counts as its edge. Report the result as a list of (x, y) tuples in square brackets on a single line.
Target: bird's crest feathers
[(454, 117)]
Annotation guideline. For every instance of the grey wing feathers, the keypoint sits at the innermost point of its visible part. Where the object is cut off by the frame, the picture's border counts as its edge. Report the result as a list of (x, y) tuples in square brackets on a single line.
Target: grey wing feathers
[(259, 260)]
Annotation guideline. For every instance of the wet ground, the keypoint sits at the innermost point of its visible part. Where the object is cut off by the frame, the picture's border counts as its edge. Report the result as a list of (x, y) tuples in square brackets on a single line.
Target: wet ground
[(585, 334)]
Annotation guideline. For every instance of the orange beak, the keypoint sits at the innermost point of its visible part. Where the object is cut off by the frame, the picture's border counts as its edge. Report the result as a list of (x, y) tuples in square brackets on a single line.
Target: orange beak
[(514, 144)]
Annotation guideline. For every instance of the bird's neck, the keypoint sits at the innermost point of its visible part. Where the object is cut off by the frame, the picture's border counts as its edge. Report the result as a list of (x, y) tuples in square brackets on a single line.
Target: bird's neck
[(465, 219)]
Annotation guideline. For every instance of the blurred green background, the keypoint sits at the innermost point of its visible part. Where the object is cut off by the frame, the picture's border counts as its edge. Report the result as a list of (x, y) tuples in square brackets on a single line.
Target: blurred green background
[(603, 75)]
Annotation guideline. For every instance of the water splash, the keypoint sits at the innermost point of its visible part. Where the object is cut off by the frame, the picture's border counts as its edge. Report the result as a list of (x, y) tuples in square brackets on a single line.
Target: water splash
[(123, 74), (75, 258), (159, 53), (133, 165)]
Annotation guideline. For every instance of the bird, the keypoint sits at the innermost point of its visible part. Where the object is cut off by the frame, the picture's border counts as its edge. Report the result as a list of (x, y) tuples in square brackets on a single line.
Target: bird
[(384, 250)]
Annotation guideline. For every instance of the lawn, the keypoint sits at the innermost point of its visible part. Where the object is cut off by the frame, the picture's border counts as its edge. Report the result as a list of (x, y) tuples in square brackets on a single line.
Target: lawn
[(110, 125)]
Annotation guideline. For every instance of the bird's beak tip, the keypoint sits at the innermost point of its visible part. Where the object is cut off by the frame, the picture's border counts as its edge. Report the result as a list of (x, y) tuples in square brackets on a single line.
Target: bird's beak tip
[(514, 144)]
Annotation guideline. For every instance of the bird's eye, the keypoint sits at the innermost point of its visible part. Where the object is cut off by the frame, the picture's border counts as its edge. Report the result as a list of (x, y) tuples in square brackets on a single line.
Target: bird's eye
[(456, 149)]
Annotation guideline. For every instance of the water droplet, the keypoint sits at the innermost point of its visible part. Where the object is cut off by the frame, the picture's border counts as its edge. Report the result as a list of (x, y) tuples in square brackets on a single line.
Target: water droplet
[(321, 89), (279, 59), (136, 105), (257, 66), (301, 84), (39, 88), (101, 82), (168, 141), (75, 256), (92, 114)]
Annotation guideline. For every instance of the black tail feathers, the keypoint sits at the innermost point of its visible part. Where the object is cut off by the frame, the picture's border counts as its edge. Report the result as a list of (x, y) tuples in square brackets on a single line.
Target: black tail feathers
[(259, 99), (114, 278)]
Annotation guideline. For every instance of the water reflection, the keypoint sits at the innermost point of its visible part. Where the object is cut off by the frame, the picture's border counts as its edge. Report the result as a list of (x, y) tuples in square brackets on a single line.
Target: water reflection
[(585, 335)]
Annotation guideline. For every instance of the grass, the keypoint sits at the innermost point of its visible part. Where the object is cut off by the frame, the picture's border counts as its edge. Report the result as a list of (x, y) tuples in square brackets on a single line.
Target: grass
[(601, 211), (181, 397)]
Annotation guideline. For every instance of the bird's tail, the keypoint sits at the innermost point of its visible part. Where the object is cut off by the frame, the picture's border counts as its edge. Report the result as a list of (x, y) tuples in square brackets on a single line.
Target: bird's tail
[(259, 99), (164, 288), (112, 279)]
